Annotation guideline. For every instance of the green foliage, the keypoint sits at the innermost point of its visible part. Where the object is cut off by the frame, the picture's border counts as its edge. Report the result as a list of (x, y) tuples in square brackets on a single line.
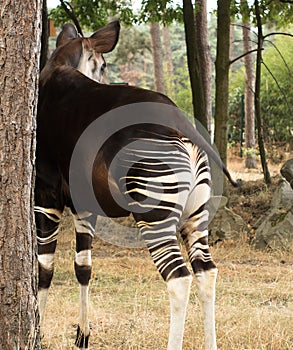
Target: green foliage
[(93, 14), (160, 11), (183, 96), (277, 94), (276, 97)]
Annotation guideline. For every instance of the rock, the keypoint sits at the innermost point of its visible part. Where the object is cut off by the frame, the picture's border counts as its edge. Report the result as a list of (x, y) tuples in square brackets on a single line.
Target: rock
[(283, 196), (287, 171), (225, 224), (275, 228), (276, 231)]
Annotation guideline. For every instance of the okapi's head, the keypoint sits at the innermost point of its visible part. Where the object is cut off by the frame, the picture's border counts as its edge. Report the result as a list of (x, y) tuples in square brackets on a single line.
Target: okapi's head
[(84, 54)]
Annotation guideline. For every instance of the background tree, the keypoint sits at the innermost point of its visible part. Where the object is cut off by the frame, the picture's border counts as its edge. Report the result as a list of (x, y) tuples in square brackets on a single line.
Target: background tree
[(202, 41), (250, 161), (20, 38), (169, 81), (157, 51), (222, 78), (193, 60)]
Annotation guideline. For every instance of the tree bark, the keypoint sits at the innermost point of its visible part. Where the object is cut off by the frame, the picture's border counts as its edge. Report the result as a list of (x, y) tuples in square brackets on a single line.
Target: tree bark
[(250, 161), (157, 51), (169, 62), (202, 40), (222, 80), (45, 36), (20, 41), (222, 77), (193, 61), (261, 145)]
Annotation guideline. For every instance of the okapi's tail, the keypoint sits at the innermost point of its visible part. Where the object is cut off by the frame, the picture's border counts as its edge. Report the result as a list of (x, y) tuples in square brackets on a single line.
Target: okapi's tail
[(195, 137), (205, 146)]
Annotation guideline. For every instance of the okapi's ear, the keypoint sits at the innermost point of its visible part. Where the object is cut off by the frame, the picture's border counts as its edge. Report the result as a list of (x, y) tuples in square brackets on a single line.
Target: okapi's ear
[(106, 38), (68, 32)]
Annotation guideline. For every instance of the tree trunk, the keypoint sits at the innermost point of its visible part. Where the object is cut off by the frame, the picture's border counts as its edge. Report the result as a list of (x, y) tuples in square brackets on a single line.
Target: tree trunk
[(20, 35), (222, 79), (204, 59), (193, 61), (250, 161), (261, 145), (168, 59), (45, 36), (157, 57)]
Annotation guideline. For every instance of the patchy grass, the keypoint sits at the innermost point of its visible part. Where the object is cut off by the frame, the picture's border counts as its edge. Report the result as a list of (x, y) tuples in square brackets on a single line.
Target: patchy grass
[(129, 307)]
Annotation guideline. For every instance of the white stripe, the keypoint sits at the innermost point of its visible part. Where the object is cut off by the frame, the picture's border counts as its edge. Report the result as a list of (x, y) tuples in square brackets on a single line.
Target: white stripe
[(47, 261), (49, 239), (83, 258)]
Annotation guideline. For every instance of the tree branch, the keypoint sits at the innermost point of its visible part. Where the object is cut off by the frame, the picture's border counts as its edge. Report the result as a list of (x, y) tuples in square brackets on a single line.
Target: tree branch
[(70, 13), (281, 55), (277, 33), (287, 1), (241, 56), (276, 81)]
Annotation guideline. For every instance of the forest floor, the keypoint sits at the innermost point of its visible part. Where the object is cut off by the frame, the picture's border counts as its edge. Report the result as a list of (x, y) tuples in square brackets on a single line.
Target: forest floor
[(129, 307)]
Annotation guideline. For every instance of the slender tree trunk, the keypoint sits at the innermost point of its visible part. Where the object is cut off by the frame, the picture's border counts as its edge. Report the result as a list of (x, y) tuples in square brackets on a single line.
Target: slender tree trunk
[(193, 61), (204, 59), (168, 59), (45, 36), (20, 41), (261, 145), (222, 80), (222, 77), (232, 39), (250, 161), (157, 51)]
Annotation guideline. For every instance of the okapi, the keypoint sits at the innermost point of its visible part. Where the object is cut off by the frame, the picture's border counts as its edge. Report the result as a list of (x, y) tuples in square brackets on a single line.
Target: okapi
[(162, 176)]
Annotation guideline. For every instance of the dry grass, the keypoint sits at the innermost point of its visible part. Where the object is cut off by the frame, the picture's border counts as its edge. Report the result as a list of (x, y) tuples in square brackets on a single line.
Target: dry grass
[(129, 305)]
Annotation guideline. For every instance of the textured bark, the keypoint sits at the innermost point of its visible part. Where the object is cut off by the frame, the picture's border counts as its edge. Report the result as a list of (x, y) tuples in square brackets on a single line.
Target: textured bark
[(157, 51), (222, 80), (205, 61), (20, 33), (250, 161), (168, 59), (222, 77), (45, 36), (193, 61)]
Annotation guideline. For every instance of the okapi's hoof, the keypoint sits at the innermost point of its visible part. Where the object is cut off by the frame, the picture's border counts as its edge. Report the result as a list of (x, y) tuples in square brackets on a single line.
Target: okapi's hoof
[(82, 341)]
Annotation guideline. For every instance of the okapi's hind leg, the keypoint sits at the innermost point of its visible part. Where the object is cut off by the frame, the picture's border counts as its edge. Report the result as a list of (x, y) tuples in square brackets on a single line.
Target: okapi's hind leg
[(47, 225), (163, 246), (195, 235), (84, 226)]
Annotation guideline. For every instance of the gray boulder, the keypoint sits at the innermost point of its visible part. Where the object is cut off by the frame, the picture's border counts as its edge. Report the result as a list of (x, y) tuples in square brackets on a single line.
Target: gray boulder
[(287, 171), (276, 231), (275, 228), (225, 223)]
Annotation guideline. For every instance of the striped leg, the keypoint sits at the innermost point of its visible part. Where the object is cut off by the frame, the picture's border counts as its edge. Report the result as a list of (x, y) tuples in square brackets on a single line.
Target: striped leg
[(84, 226), (159, 183), (195, 235), (47, 224), (161, 240)]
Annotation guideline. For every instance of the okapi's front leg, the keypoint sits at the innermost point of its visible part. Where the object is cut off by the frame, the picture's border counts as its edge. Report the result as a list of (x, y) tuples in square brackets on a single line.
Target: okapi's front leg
[(84, 225), (47, 225)]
